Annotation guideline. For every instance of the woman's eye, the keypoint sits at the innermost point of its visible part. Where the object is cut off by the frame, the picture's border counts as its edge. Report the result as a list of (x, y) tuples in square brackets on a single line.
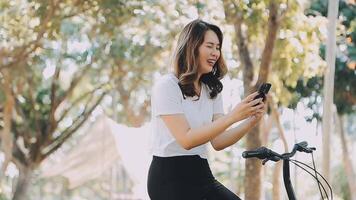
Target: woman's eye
[(209, 46)]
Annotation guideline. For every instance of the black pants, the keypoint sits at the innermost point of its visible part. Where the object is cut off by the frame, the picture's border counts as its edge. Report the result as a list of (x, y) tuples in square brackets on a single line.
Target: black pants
[(184, 178)]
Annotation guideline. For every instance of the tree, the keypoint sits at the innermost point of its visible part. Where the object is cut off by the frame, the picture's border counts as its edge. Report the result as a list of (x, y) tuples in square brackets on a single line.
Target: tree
[(81, 52), (61, 84)]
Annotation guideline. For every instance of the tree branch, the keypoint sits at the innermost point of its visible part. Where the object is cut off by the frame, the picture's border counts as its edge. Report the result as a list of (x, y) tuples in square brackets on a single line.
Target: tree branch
[(32, 102), (244, 54), (75, 13), (245, 58), (77, 78), (83, 96), (25, 128), (54, 105), (230, 11), (18, 155), (273, 27), (78, 122)]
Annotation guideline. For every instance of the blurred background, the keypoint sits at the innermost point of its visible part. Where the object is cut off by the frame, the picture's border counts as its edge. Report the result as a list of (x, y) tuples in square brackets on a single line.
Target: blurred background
[(76, 78)]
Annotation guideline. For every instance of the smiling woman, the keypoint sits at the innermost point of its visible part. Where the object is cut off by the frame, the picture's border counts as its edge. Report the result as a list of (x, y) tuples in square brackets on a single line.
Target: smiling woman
[(209, 52), (187, 114), (198, 58)]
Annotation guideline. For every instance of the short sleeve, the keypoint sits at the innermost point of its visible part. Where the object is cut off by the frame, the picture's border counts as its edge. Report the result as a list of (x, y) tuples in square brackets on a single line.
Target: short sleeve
[(166, 98), (218, 105)]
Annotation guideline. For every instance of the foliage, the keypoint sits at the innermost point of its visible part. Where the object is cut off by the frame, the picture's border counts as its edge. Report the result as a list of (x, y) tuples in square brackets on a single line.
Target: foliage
[(345, 74), (62, 51)]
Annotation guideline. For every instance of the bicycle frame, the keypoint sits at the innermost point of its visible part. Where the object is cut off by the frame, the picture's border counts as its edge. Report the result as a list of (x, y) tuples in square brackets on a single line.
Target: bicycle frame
[(286, 178)]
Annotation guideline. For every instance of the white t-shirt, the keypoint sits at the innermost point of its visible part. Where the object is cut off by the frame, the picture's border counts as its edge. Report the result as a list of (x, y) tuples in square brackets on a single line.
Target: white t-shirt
[(167, 98)]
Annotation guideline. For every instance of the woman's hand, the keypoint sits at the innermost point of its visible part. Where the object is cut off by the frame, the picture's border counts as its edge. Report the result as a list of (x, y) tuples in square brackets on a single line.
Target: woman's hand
[(248, 108), (257, 117)]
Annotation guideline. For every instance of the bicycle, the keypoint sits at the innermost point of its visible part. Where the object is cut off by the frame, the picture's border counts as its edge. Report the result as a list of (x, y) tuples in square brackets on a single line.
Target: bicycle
[(266, 155)]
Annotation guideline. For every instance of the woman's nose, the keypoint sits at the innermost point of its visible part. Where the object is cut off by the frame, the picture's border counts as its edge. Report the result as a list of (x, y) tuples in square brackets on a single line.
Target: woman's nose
[(215, 53)]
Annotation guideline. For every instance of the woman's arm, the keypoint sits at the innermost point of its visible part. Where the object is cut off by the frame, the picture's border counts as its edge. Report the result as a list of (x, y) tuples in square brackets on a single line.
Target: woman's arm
[(189, 138), (233, 135)]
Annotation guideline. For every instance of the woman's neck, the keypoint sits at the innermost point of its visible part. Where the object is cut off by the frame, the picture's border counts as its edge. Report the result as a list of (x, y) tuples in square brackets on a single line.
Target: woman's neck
[(197, 81), (197, 87)]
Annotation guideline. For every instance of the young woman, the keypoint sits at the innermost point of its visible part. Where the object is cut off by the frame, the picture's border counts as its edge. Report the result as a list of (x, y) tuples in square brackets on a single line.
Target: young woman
[(187, 114)]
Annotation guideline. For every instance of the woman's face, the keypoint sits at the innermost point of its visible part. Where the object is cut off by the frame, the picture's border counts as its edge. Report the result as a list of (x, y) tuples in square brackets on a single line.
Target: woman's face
[(209, 52)]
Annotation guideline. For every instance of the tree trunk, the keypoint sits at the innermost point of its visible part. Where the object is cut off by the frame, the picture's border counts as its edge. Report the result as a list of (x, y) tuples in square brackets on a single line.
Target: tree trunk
[(276, 182), (23, 182), (265, 128), (350, 174), (329, 85), (253, 167), (6, 136)]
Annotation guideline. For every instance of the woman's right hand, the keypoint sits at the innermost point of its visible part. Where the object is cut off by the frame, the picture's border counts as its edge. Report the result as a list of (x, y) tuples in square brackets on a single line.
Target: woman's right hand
[(247, 108)]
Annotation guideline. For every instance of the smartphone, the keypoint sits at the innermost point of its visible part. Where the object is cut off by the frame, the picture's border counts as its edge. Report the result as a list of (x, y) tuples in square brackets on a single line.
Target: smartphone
[(263, 90)]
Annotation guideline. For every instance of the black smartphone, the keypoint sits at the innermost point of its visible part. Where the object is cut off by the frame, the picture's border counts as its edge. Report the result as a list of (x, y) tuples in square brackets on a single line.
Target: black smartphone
[(262, 91)]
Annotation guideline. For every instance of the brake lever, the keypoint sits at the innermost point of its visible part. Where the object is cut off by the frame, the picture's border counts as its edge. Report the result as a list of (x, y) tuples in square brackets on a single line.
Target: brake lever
[(311, 149), (264, 161), (273, 158), (307, 149), (303, 147)]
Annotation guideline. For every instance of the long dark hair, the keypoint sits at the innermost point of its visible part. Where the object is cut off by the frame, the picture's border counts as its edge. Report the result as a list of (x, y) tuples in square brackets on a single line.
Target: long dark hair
[(185, 59)]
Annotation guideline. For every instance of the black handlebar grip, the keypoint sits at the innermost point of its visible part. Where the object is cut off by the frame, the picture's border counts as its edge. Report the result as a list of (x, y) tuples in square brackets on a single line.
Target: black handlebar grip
[(260, 153)]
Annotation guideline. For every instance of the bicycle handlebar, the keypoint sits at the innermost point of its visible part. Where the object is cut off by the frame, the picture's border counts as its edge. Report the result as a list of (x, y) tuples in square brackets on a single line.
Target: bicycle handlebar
[(264, 153)]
